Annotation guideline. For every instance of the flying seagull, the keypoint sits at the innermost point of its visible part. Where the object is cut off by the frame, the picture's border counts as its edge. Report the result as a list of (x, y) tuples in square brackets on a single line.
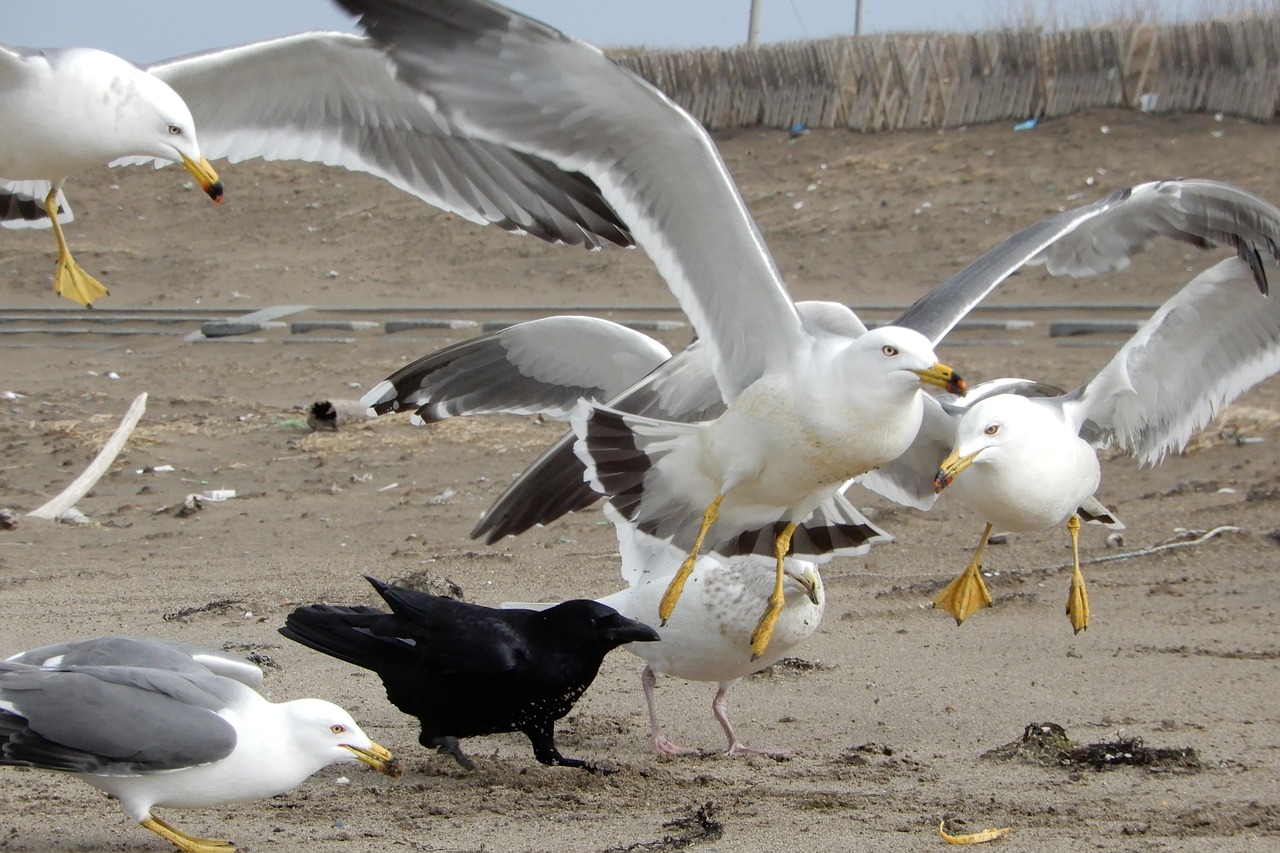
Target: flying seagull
[(807, 409), (154, 724), (322, 97), (1027, 463), (465, 670)]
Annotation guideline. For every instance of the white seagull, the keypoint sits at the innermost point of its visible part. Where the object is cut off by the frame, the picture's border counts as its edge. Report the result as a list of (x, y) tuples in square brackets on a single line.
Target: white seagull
[(807, 409), (1030, 463), (153, 723), (708, 637), (322, 97)]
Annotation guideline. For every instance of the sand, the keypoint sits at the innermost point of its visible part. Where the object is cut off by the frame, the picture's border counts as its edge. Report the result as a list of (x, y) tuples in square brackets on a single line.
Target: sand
[(887, 733)]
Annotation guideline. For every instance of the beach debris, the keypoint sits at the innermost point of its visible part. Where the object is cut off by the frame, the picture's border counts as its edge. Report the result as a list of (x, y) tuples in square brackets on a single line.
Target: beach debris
[(1047, 744), (330, 415), (81, 485), (8, 519), (219, 607), (980, 837), (698, 828)]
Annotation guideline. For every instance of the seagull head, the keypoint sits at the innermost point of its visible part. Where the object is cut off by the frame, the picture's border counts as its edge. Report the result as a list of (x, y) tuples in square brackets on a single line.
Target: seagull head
[(805, 575), (994, 429), (327, 734), (906, 358), (165, 130)]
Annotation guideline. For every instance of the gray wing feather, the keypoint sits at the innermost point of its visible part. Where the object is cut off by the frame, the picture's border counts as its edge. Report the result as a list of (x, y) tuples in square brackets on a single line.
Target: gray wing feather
[(540, 367), (1212, 341), (332, 99), (496, 75), (111, 720), (169, 655), (1102, 236)]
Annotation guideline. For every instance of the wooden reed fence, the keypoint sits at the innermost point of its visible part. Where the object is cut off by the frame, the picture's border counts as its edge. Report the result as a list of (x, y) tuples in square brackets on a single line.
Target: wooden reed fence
[(898, 82)]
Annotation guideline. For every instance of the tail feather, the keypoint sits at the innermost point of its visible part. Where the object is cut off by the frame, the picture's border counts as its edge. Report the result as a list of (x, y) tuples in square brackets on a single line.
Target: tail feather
[(1094, 511), (362, 636), (552, 486)]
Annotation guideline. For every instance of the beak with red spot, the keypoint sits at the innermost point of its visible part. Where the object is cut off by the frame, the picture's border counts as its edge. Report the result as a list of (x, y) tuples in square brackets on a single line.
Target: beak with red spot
[(208, 178), (951, 467), (942, 376)]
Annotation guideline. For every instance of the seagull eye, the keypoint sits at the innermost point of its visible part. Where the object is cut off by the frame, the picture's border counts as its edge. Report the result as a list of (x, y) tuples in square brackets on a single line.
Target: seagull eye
[(337, 728), (889, 350), (174, 130), (992, 430)]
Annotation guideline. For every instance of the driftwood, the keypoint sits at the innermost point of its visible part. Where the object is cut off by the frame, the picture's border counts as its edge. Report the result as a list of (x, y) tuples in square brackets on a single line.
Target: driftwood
[(80, 487)]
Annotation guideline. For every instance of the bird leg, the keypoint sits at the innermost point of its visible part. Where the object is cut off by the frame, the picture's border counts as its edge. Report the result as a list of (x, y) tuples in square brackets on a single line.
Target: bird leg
[(968, 593), (764, 628), (543, 738), (720, 709), (184, 842), (1077, 598), (449, 746), (672, 595), (658, 742), (69, 279)]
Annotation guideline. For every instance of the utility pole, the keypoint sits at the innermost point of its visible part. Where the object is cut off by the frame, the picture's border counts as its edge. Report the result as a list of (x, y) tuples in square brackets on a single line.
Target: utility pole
[(753, 24), (857, 17)]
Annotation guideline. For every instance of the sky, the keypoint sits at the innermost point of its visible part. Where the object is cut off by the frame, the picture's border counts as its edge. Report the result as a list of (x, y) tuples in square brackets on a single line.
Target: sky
[(148, 30)]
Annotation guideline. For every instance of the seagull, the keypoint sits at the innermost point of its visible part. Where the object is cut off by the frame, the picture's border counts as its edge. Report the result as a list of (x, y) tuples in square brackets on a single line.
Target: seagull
[(706, 639), (546, 366), (322, 97), (465, 670), (807, 409), (153, 723), (1028, 463)]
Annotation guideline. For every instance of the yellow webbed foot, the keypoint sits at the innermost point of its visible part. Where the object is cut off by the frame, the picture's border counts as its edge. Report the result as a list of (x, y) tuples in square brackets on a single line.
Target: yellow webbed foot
[(184, 842), (965, 595), (1078, 602), (72, 282)]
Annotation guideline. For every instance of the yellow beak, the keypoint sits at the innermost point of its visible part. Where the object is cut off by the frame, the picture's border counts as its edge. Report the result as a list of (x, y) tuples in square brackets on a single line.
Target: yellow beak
[(944, 377), (809, 581), (208, 178), (379, 758), (951, 466)]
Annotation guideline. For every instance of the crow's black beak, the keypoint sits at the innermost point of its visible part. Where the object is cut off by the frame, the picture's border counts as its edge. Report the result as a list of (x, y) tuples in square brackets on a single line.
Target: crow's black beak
[(619, 629)]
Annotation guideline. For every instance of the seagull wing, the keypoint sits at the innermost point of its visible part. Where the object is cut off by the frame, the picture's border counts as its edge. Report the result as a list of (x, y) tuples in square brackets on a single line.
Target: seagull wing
[(496, 75), (112, 720), (539, 367), (1209, 343), (331, 98), (1102, 236), (140, 652)]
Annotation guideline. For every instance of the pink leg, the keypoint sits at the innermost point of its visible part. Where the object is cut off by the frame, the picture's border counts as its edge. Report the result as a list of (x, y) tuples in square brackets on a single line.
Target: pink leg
[(658, 742), (720, 708)]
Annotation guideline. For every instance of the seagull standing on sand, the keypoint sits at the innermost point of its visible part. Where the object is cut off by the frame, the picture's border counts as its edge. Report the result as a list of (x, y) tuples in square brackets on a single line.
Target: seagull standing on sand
[(155, 724), (320, 97), (708, 637), (1029, 463)]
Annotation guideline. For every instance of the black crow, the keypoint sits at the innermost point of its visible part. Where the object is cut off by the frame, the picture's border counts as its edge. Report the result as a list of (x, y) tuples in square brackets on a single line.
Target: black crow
[(464, 669)]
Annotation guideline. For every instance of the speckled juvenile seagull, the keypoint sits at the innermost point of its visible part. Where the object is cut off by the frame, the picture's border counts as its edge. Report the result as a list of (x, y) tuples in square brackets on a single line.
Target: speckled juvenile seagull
[(154, 724), (321, 97)]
